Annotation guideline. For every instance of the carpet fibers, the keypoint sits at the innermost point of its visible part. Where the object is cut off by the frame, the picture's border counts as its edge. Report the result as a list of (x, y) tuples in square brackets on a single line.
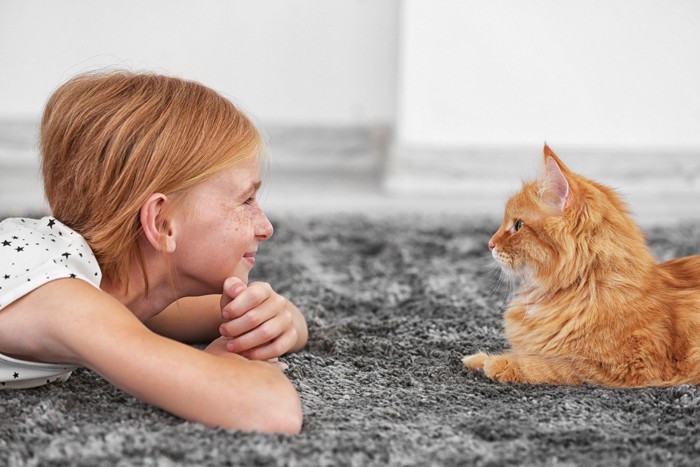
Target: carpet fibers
[(392, 306)]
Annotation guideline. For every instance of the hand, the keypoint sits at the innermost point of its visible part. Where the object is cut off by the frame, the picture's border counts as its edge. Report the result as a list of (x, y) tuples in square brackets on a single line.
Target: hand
[(218, 347), (257, 320)]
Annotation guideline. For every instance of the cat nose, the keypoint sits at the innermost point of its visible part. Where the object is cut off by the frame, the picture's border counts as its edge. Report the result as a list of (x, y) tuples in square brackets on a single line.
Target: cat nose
[(491, 245)]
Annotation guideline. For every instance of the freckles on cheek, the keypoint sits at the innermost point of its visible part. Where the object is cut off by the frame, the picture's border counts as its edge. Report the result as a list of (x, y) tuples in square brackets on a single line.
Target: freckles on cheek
[(238, 224)]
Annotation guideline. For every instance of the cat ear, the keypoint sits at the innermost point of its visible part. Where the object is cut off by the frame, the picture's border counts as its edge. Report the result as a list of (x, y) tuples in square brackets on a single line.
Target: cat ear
[(554, 186)]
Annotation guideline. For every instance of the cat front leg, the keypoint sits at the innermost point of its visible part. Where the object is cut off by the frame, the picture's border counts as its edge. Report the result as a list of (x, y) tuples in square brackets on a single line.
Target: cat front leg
[(501, 368), (531, 369), (475, 362), (504, 369)]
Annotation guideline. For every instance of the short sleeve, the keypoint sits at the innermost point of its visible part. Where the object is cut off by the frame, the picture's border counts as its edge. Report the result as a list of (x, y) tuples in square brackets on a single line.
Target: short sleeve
[(34, 252)]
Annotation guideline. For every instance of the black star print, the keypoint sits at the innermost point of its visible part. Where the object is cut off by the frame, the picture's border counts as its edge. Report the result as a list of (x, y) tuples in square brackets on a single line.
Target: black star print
[(6, 243), (7, 276), (52, 222), (15, 375), (15, 237), (73, 276), (19, 248), (66, 254)]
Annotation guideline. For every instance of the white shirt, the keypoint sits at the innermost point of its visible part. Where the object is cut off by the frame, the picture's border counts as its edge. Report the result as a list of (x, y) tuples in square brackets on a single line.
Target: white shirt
[(32, 253)]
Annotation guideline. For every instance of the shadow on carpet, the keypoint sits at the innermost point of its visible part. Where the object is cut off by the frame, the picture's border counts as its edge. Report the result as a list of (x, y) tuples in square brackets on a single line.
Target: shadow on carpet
[(392, 306)]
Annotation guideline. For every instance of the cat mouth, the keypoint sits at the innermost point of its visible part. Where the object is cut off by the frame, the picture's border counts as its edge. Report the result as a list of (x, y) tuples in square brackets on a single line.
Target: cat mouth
[(504, 262), (499, 257)]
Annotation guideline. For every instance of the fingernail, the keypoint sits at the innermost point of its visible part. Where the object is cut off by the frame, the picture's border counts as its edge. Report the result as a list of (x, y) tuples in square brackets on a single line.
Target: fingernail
[(226, 315), (222, 331), (230, 346)]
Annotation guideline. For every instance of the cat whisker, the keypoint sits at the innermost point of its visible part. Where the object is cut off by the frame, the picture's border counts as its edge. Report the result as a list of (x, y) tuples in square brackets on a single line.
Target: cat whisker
[(509, 282)]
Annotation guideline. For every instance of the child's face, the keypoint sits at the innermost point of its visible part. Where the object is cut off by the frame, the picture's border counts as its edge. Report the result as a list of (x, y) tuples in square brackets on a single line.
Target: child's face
[(218, 230)]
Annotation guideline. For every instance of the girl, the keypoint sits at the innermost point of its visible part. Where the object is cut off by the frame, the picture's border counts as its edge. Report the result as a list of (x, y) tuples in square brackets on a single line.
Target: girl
[(152, 183)]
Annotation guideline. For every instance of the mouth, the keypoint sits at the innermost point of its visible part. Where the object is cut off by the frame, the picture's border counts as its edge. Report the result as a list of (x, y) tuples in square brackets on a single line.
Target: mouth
[(249, 256)]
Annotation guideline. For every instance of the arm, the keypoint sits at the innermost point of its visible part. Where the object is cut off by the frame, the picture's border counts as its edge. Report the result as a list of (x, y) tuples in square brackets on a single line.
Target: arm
[(190, 319), (197, 319), (87, 327)]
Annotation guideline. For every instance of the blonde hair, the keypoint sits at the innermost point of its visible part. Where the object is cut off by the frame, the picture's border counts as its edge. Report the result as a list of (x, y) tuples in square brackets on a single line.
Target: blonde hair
[(110, 140)]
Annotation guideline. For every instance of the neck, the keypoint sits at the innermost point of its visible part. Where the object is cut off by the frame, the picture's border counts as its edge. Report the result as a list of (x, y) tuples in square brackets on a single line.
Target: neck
[(134, 296), (616, 278)]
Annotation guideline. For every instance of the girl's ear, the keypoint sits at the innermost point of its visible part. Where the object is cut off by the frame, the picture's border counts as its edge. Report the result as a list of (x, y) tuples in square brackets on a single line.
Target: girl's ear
[(157, 227), (555, 185)]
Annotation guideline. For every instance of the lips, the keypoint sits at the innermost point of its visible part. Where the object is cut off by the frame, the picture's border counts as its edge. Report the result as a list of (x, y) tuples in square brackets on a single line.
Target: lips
[(250, 257)]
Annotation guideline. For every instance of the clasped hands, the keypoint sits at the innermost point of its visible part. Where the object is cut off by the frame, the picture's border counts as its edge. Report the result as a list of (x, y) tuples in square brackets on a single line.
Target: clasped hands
[(257, 321)]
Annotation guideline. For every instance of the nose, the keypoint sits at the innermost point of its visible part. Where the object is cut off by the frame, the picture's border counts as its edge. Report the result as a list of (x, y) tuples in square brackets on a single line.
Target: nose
[(264, 228), (491, 245)]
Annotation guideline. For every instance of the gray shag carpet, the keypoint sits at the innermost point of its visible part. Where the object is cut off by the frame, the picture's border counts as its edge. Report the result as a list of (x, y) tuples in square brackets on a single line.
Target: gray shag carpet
[(392, 305)]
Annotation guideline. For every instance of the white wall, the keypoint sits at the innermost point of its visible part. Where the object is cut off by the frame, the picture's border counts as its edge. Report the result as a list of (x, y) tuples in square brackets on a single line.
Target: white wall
[(612, 74), (291, 61), (465, 77)]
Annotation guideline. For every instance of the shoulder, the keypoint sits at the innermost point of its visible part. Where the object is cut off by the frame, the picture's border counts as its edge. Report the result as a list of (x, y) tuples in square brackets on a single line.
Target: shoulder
[(36, 251)]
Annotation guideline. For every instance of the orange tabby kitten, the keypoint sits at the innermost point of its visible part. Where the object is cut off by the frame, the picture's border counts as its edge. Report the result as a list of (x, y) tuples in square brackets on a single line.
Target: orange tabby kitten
[(593, 305)]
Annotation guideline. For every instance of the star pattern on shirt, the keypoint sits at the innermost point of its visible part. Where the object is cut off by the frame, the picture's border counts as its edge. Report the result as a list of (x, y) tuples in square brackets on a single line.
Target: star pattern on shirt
[(39, 251)]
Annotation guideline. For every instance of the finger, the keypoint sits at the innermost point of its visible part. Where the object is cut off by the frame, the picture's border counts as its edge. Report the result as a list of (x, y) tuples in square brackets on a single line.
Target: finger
[(275, 348), (248, 321), (281, 366), (277, 364), (233, 286), (261, 335), (253, 296)]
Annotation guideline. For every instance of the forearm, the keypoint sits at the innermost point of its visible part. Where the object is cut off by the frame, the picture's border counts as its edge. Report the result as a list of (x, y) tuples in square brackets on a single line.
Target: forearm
[(190, 319), (214, 388)]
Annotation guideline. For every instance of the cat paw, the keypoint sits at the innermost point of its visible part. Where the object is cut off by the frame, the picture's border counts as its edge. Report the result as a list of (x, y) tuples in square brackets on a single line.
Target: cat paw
[(503, 369), (475, 362)]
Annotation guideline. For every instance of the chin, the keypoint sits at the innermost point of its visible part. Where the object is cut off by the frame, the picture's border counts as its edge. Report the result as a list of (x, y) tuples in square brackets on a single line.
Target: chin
[(242, 273)]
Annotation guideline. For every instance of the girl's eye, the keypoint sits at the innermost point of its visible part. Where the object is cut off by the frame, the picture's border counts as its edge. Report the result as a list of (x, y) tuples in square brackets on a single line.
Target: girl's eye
[(518, 225)]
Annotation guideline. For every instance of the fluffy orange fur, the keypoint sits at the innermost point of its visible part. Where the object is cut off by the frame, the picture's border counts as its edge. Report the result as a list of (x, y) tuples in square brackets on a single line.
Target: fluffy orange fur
[(593, 305)]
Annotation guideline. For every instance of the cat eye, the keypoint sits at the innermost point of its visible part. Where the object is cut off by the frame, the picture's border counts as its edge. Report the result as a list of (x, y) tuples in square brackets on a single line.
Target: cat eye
[(518, 225)]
